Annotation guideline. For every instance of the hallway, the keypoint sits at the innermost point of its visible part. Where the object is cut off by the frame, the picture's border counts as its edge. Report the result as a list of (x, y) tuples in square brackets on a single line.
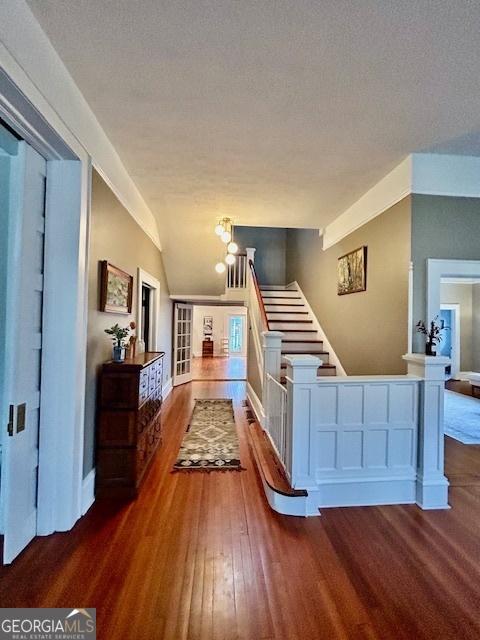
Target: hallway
[(202, 556), (219, 368)]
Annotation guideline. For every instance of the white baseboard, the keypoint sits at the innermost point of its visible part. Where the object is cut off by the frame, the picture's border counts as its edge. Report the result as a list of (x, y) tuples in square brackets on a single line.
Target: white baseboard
[(88, 491), (333, 359), (167, 387), (256, 405)]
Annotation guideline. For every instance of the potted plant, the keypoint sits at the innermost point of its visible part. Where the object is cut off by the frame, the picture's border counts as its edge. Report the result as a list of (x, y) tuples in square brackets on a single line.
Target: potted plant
[(118, 337), (432, 333)]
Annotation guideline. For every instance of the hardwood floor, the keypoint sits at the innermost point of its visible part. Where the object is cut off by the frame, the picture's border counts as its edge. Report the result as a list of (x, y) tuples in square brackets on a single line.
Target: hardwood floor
[(201, 556), (219, 368)]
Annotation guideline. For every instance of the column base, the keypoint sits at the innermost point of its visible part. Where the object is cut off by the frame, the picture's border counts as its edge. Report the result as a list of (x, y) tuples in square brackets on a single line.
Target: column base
[(433, 493)]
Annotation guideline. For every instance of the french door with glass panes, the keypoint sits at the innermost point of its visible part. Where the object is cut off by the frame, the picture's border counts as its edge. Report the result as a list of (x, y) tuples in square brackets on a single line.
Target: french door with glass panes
[(182, 352)]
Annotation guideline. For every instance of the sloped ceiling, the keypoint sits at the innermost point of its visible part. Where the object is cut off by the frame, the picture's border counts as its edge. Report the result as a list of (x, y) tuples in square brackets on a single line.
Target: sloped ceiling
[(275, 113)]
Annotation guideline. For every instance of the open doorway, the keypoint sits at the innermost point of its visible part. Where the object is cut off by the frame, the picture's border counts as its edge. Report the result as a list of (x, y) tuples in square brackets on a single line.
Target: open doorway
[(219, 342), (454, 289)]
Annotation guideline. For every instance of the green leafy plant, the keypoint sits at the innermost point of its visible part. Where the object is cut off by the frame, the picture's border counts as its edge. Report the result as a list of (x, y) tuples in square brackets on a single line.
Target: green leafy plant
[(118, 334)]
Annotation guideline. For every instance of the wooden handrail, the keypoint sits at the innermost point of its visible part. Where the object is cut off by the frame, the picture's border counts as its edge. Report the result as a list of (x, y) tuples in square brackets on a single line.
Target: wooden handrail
[(259, 296)]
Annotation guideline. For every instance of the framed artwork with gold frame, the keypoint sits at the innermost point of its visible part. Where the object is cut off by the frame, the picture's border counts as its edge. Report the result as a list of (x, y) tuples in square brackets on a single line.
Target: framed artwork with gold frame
[(116, 289)]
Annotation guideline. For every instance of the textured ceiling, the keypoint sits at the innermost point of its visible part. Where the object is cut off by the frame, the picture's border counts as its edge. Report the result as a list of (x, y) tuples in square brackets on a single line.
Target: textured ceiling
[(276, 113)]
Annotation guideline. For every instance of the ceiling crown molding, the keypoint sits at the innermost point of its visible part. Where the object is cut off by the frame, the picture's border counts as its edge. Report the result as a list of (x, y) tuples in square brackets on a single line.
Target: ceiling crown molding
[(419, 173)]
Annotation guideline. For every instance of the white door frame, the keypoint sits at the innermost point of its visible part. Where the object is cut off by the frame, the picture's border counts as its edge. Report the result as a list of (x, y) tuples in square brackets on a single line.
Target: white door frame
[(143, 277), (455, 335), (438, 269), (243, 352), (60, 477)]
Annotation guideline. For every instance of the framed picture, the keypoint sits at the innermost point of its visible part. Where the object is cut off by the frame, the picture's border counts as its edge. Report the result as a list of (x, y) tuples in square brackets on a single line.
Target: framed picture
[(207, 326), (116, 289), (352, 272)]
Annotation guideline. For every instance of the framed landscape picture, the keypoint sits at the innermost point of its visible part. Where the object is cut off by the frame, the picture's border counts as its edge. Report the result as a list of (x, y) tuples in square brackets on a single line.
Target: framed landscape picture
[(352, 272), (116, 289)]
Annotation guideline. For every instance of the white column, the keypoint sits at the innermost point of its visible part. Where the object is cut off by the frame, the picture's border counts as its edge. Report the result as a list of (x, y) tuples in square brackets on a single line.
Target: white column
[(250, 254), (301, 383), (272, 354), (432, 485)]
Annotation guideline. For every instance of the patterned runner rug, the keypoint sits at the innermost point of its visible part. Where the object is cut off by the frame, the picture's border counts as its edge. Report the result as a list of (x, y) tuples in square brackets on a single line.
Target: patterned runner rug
[(211, 441)]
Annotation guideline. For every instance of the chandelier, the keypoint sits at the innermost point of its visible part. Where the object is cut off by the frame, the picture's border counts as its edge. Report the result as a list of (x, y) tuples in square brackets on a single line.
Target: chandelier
[(224, 230)]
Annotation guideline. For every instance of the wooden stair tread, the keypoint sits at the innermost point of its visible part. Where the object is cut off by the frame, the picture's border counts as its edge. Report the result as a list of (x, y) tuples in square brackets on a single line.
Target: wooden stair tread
[(268, 463), (305, 352), (292, 321), (325, 366), (265, 288), (303, 313), (279, 304), (296, 340), (298, 331)]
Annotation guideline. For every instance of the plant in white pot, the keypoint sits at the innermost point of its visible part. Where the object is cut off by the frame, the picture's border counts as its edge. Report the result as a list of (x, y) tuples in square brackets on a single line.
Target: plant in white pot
[(118, 338)]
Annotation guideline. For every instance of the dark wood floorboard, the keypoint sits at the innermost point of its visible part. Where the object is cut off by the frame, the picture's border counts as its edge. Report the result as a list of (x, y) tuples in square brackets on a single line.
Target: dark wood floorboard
[(202, 557)]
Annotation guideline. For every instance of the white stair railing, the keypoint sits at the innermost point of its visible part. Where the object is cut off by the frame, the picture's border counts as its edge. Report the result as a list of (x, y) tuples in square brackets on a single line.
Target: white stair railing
[(276, 419)]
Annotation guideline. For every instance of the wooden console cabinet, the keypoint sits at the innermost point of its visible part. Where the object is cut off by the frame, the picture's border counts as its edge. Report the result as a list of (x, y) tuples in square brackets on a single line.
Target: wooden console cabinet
[(129, 425), (207, 349)]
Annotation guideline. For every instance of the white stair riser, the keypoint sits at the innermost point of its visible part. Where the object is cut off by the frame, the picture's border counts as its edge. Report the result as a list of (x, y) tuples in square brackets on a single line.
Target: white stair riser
[(279, 317), (301, 345), (272, 307), (322, 356), (279, 326), (280, 294), (273, 287), (298, 336)]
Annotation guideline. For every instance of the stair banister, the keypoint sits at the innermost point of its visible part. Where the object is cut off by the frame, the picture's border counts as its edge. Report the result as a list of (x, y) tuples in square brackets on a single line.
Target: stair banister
[(259, 296)]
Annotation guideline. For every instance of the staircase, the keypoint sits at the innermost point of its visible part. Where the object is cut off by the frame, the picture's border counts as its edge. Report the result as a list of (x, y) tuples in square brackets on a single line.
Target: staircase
[(287, 312)]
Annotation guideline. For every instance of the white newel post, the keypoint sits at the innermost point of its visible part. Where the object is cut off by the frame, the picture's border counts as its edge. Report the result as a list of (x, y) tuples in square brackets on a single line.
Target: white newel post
[(250, 254), (301, 382), (432, 485)]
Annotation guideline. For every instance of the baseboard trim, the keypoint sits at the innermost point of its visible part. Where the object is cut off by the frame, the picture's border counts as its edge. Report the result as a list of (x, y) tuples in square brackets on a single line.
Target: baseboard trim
[(88, 491), (167, 388), (256, 405)]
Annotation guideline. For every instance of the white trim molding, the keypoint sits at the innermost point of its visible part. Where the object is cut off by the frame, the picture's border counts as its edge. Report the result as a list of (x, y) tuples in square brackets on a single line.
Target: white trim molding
[(437, 269), (256, 405), (88, 491), (167, 388), (395, 186), (143, 277), (420, 173)]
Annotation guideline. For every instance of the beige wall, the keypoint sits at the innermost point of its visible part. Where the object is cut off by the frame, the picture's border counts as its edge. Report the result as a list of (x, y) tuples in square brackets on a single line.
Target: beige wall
[(368, 330), (461, 294), (116, 237), (220, 315)]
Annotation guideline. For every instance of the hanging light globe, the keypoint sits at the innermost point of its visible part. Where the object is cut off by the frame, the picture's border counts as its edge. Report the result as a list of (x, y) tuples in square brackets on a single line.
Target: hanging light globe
[(219, 229), (220, 267), (230, 258), (232, 247), (226, 237)]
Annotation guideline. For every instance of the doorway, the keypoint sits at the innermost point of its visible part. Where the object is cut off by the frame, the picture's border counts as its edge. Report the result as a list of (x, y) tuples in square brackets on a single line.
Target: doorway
[(219, 342), (43, 282)]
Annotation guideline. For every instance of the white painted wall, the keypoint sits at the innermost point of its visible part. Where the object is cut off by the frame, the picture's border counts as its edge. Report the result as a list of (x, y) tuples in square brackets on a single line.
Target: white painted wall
[(220, 315)]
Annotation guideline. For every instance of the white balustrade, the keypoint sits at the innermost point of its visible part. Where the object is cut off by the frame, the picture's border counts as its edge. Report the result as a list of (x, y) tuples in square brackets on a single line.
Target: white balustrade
[(366, 440)]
